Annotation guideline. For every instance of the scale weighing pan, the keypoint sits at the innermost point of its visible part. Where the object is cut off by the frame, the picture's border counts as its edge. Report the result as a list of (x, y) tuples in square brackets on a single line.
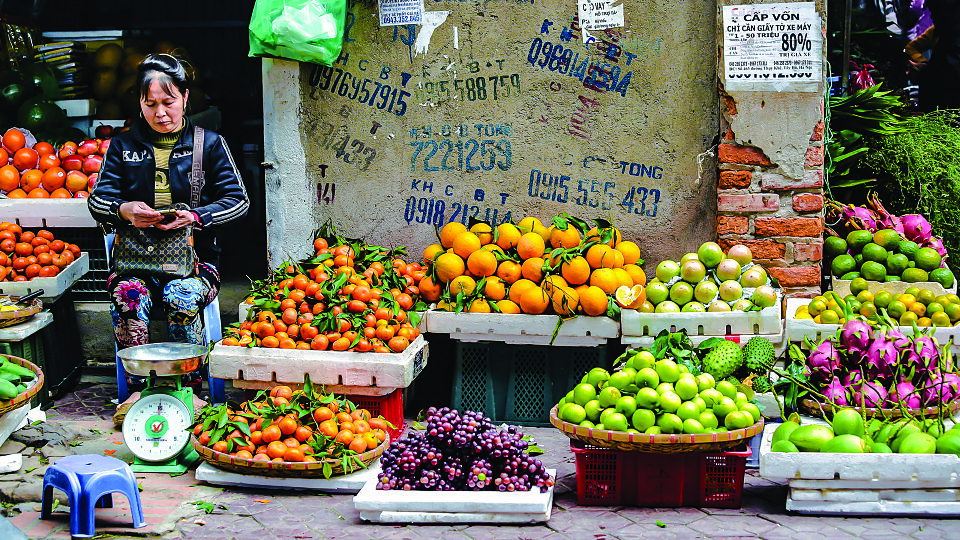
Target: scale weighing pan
[(162, 358)]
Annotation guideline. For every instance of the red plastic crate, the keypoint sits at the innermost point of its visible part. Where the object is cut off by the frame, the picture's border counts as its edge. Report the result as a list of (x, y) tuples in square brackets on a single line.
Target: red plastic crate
[(389, 406), (690, 479)]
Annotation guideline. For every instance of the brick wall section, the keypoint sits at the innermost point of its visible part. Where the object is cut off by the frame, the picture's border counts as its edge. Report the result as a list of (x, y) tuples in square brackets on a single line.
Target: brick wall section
[(779, 218)]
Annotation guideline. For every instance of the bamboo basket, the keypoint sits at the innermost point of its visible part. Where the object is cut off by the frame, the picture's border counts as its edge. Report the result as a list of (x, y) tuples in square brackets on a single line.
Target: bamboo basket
[(31, 390), (826, 410), (13, 317)]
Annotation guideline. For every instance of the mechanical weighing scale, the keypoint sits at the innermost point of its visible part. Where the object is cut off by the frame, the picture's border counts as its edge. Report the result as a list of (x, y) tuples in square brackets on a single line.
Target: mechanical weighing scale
[(156, 429)]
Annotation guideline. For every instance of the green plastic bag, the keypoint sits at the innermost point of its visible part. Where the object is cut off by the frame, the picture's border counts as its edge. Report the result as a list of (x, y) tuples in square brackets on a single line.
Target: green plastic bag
[(303, 30)]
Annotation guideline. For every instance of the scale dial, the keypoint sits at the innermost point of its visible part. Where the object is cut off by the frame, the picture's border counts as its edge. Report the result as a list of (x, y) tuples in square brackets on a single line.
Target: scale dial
[(157, 427)]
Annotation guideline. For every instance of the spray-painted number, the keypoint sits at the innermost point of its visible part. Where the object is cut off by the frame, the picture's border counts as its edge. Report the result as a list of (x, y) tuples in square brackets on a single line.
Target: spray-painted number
[(440, 153), (641, 201), (350, 152), (596, 193), (326, 192)]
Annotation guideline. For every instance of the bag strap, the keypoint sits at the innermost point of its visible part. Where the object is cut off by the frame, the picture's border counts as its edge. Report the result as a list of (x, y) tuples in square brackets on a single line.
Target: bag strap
[(196, 173)]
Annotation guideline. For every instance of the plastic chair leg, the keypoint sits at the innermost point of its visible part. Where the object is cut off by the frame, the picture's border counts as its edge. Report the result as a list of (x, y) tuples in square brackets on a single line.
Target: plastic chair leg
[(106, 501)]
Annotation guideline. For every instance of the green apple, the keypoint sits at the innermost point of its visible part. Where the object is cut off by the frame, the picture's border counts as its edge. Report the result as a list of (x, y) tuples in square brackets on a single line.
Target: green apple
[(667, 370), (670, 402), (644, 359), (573, 413), (587, 424), (609, 396), (616, 422), (619, 380), (605, 414), (583, 393), (705, 380), (701, 404), (598, 375), (648, 398), (687, 409), (727, 388), (647, 378), (737, 420), (653, 430), (664, 387), (643, 418), (670, 423), (593, 409), (692, 426), (686, 387), (753, 410), (740, 399), (709, 420), (626, 405), (711, 396), (724, 407)]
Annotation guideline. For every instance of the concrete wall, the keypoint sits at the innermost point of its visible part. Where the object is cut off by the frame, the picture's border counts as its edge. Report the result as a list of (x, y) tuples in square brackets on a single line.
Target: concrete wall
[(505, 112)]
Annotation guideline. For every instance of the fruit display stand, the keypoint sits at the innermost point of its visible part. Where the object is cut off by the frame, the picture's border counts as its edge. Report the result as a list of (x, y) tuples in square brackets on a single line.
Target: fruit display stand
[(523, 329), (797, 329), (53, 287), (47, 213), (398, 506), (864, 484), (25, 340), (350, 483), (842, 286)]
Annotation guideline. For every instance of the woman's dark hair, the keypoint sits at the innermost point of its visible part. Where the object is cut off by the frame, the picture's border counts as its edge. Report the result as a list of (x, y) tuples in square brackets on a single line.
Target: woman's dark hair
[(167, 70)]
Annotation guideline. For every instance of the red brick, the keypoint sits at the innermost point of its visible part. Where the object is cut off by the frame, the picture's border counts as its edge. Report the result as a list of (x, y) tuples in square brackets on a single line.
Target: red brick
[(732, 224), (730, 136), (777, 182), (803, 292), (797, 276), (808, 251), (807, 202), (748, 202), (817, 132), (761, 249), (746, 155), (731, 104), (768, 226), (734, 179), (813, 157)]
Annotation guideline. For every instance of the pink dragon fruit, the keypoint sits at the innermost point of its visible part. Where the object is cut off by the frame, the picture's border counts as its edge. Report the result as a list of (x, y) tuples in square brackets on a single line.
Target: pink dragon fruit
[(937, 244), (881, 356), (904, 392), (937, 389), (836, 393), (852, 378), (917, 228), (887, 220), (860, 217), (870, 394), (824, 361), (900, 341), (855, 337), (922, 355)]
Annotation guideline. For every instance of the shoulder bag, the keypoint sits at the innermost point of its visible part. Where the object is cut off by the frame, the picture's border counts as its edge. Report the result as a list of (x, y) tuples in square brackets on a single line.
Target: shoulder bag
[(151, 252)]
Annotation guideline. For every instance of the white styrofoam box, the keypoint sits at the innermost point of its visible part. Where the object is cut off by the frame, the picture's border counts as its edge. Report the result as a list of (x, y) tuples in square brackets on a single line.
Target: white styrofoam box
[(779, 344), (22, 331), (522, 329), (77, 107), (10, 463), (242, 310), (350, 483), (338, 389), (52, 287), (797, 329), (842, 286), (34, 213), (11, 421), (388, 370), (765, 321), (846, 504), (394, 506)]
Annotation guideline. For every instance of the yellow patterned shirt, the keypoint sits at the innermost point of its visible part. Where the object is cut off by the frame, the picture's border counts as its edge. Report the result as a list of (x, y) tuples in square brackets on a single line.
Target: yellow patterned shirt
[(163, 144)]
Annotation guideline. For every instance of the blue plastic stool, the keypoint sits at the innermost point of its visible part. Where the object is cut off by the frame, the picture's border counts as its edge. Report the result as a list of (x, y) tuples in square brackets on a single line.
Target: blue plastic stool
[(212, 331), (89, 480)]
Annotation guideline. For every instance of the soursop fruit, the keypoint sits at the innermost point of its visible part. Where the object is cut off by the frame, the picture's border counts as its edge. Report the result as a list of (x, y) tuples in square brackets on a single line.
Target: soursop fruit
[(723, 359), (758, 355), (761, 384)]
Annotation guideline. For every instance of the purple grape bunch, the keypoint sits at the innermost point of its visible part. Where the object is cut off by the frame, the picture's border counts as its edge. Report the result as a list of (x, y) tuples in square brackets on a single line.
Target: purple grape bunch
[(462, 452)]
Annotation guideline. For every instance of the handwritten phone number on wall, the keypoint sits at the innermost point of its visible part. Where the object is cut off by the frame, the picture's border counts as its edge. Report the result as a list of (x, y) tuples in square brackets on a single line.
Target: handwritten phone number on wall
[(601, 77), (638, 200), (341, 82), (433, 211), (472, 89), (492, 154)]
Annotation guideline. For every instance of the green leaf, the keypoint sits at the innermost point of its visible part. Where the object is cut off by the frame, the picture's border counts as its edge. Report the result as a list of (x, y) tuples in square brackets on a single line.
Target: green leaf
[(535, 450), (661, 524), (418, 426), (327, 470)]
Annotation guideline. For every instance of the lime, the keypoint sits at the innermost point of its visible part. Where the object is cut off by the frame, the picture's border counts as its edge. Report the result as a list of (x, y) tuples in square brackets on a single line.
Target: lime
[(890, 278), (943, 276), (954, 299), (859, 285), (897, 263), (854, 305), (928, 259), (909, 248), (934, 307), (842, 264), (829, 316), (915, 275), (942, 300), (816, 307), (868, 310), (863, 296), (925, 295), (924, 321), (952, 311), (848, 298), (875, 253), (887, 239), (896, 308), (834, 245), (941, 319), (882, 299), (908, 318), (850, 275), (873, 270), (913, 291), (857, 239)]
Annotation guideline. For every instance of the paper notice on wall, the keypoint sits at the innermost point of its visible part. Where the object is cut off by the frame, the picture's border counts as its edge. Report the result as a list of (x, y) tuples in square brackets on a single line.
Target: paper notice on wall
[(600, 14), (775, 47), (394, 12)]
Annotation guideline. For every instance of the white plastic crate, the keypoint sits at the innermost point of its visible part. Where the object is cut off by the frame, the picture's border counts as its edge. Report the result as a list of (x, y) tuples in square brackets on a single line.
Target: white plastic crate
[(52, 287), (797, 329), (767, 321), (453, 506), (342, 368), (522, 329), (779, 343), (42, 213)]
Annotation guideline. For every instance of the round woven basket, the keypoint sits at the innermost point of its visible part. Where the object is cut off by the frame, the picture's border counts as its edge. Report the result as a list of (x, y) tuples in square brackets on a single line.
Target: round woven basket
[(280, 469), (825, 410), (660, 444), (31, 390), (11, 317)]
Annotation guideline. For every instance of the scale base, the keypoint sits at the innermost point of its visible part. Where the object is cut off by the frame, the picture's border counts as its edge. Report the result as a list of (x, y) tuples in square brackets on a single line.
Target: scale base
[(187, 460)]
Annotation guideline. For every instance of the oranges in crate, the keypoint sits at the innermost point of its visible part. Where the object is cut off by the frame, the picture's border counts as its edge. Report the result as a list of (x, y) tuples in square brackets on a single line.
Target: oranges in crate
[(25, 255), (45, 172)]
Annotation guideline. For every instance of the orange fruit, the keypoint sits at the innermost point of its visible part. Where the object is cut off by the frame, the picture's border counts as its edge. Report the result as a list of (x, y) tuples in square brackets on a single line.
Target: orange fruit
[(479, 305), (483, 231), (493, 288), (9, 178), (38, 193), (17, 194), (465, 244), (576, 271), (482, 263), (534, 301), (431, 252), (13, 140), (61, 193), (44, 148), (448, 266), (53, 179), (508, 306), (429, 290), (599, 256), (508, 235), (630, 251), (564, 300), (519, 288), (509, 272), (609, 236), (26, 158), (636, 274), (530, 245), (631, 297), (593, 300), (465, 284), (623, 277), (276, 449), (270, 433), (31, 179), (450, 232), (48, 161), (564, 238), (532, 269), (606, 279)]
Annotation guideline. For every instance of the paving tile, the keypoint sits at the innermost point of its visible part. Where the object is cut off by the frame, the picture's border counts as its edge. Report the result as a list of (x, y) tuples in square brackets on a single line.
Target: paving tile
[(728, 526), (638, 532), (669, 516)]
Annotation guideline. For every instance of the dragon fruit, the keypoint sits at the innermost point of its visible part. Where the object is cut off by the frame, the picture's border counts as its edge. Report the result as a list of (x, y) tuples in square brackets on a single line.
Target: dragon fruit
[(852, 378), (836, 393), (917, 228), (937, 390), (922, 355), (887, 220), (860, 217), (855, 337), (870, 394), (937, 244), (824, 360), (904, 392), (880, 359), (900, 341)]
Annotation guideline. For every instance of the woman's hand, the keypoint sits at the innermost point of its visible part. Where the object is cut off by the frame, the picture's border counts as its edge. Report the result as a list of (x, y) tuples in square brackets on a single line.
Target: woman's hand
[(174, 221), (140, 214)]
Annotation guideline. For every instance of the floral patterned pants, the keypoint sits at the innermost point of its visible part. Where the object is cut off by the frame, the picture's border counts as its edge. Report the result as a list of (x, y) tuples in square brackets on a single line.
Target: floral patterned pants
[(131, 300)]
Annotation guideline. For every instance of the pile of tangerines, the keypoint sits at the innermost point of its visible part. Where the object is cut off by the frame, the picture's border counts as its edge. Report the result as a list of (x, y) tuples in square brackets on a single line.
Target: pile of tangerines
[(25, 255), (290, 426), (40, 171), (567, 269), (350, 296)]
